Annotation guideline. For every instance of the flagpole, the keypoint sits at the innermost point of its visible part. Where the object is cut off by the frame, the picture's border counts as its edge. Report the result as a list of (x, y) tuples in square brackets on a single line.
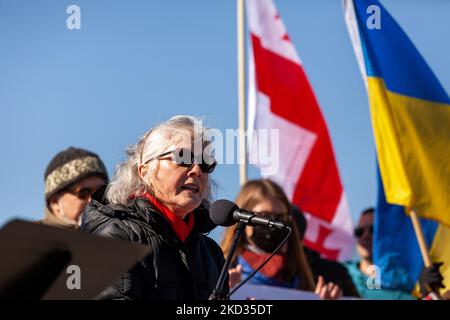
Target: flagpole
[(241, 90), (422, 245), (420, 238)]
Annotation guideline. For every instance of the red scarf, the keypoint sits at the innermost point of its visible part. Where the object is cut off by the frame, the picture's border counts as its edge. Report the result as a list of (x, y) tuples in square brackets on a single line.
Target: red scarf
[(273, 269), (179, 226)]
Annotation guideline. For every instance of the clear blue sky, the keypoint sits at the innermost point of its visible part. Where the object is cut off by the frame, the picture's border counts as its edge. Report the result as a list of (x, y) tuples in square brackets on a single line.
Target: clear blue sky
[(136, 63)]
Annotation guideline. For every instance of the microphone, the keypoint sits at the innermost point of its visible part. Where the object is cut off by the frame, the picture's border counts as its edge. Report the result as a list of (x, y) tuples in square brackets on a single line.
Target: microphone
[(226, 213)]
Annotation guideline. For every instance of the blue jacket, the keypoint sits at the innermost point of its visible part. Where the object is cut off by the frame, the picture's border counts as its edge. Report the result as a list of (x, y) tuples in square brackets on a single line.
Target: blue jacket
[(360, 281)]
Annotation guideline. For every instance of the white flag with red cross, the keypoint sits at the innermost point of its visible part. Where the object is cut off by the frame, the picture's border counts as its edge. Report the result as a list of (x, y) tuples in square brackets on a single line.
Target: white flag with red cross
[(281, 97)]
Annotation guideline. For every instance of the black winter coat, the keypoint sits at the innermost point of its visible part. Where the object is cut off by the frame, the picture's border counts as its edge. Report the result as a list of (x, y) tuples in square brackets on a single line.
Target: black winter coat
[(174, 270), (331, 271)]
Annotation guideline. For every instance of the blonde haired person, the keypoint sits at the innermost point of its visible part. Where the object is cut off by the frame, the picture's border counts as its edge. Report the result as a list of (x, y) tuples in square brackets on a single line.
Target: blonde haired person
[(288, 268), (157, 198)]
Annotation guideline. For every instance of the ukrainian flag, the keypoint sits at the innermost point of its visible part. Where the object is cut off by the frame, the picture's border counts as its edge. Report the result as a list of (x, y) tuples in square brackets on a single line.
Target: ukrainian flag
[(395, 248), (410, 113)]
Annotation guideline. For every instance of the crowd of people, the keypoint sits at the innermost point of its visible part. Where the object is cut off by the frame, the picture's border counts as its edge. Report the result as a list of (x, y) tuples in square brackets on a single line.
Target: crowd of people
[(160, 196)]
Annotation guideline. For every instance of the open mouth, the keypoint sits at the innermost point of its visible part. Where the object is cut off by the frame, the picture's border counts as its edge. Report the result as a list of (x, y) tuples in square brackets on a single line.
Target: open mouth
[(191, 187)]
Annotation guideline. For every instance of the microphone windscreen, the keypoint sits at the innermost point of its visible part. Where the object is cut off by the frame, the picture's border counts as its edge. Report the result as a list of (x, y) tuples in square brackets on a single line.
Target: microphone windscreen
[(202, 221), (221, 212)]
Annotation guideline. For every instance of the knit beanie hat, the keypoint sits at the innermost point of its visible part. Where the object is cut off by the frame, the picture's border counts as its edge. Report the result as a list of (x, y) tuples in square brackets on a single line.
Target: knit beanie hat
[(70, 166)]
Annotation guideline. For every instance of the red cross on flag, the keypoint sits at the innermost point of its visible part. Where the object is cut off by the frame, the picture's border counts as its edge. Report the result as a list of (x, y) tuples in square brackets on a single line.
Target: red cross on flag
[(281, 97)]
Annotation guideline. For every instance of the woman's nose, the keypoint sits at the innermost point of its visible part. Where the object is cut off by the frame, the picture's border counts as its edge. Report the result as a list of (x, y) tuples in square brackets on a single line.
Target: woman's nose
[(195, 170)]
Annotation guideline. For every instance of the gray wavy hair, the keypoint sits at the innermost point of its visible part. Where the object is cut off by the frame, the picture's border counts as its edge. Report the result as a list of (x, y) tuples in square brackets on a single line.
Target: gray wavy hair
[(126, 180)]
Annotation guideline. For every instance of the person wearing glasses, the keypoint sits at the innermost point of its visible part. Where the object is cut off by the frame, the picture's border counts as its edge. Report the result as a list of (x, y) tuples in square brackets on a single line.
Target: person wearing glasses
[(71, 178), (363, 271), (159, 197), (289, 267)]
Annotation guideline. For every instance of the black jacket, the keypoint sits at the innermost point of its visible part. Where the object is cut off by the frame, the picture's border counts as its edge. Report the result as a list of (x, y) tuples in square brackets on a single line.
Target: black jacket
[(174, 270), (331, 271)]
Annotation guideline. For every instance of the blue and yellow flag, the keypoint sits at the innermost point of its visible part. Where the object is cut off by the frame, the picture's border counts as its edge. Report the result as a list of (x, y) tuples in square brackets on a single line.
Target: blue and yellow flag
[(410, 113), (395, 248)]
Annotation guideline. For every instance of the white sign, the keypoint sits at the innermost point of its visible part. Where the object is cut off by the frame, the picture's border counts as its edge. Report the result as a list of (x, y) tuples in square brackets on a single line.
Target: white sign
[(261, 292)]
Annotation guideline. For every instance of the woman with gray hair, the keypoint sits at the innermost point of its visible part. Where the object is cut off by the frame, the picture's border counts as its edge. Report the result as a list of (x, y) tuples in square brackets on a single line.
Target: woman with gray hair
[(157, 197)]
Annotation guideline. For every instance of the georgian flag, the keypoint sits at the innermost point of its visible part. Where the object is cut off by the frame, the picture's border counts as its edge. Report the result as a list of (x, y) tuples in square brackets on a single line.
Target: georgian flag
[(281, 97)]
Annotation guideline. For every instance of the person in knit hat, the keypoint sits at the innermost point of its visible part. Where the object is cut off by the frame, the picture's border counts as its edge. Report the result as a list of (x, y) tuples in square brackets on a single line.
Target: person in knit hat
[(71, 179)]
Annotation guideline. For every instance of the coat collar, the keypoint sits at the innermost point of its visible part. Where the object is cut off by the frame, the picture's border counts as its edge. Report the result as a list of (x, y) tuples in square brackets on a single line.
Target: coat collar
[(182, 228), (51, 220), (144, 211)]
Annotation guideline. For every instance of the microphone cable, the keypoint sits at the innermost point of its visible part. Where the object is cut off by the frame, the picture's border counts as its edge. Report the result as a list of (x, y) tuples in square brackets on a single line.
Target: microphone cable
[(263, 264)]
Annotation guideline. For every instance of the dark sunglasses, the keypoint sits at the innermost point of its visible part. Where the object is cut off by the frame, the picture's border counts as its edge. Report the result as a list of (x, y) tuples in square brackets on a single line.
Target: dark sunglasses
[(184, 157), (280, 216), (82, 193), (359, 231)]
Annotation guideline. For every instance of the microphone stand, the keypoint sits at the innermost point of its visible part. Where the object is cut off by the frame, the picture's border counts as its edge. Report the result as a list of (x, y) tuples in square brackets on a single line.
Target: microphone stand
[(218, 293), (289, 229)]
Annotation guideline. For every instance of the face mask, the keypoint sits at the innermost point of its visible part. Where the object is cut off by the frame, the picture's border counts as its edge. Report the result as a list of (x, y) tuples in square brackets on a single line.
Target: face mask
[(267, 239)]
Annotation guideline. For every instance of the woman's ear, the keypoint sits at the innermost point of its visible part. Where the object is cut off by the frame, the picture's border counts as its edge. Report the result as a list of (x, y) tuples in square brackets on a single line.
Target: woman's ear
[(142, 171)]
